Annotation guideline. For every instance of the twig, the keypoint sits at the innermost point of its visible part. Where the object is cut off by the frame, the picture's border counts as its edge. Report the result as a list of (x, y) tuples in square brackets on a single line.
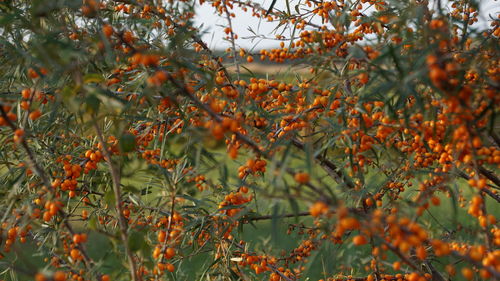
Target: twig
[(267, 217), (329, 166), (115, 175), (216, 116), (490, 269), (485, 190), (400, 255), (228, 15), (489, 174)]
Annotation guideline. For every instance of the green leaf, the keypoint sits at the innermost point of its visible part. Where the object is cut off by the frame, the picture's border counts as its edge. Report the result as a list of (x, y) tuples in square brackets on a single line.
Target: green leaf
[(127, 142), (92, 103), (93, 78), (131, 189), (92, 223), (135, 241), (274, 223), (109, 197)]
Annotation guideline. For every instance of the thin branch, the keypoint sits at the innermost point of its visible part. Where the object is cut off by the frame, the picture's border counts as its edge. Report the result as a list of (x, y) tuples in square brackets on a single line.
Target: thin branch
[(236, 63), (490, 269), (267, 217), (485, 190), (216, 116), (115, 175), (404, 258), (329, 166), (489, 174)]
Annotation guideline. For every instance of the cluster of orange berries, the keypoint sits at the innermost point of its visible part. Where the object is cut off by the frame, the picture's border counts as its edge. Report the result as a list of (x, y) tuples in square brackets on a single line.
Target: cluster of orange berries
[(304, 250), (153, 157), (235, 199), (167, 239), (34, 73), (63, 276), (27, 95), (260, 264), (94, 157), (11, 116), (57, 276), (72, 172), (51, 209), (75, 253), (200, 181), (318, 208), (252, 167), (442, 76), (476, 210), (13, 233), (218, 129), (149, 60), (477, 253)]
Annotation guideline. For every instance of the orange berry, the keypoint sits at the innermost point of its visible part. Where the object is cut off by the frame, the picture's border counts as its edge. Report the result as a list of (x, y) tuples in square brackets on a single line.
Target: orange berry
[(467, 273), (302, 178), (369, 202), (60, 276), (413, 277), (318, 208), (126, 213), (85, 214), (421, 253), (450, 269), (431, 59), (233, 152), (156, 252), (435, 201), (26, 93), (359, 240), (47, 216), (40, 277), (25, 105), (107, 30), (485, 274), (437, 75), (481, 183), (77, 239), (396, 265), (75, 254), (169, 253), (170, 267), (32, 73), (219, 80), (476, 142), (35, 114), (363, 78), (12, 232), (162, 236), (349, 223)]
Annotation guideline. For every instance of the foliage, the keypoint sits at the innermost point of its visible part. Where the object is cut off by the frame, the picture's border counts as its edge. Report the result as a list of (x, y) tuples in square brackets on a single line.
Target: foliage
[(130, 151)]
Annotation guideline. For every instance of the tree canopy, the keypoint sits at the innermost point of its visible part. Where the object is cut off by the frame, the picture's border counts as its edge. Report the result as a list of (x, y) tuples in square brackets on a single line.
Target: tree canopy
[(132, 151)]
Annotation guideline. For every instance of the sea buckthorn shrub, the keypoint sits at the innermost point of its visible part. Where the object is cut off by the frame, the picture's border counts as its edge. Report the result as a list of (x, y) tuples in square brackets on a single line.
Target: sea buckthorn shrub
[(130, 150)]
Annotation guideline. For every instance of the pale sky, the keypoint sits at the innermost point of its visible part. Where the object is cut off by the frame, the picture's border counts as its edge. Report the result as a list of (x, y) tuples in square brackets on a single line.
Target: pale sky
[(214, 24)]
